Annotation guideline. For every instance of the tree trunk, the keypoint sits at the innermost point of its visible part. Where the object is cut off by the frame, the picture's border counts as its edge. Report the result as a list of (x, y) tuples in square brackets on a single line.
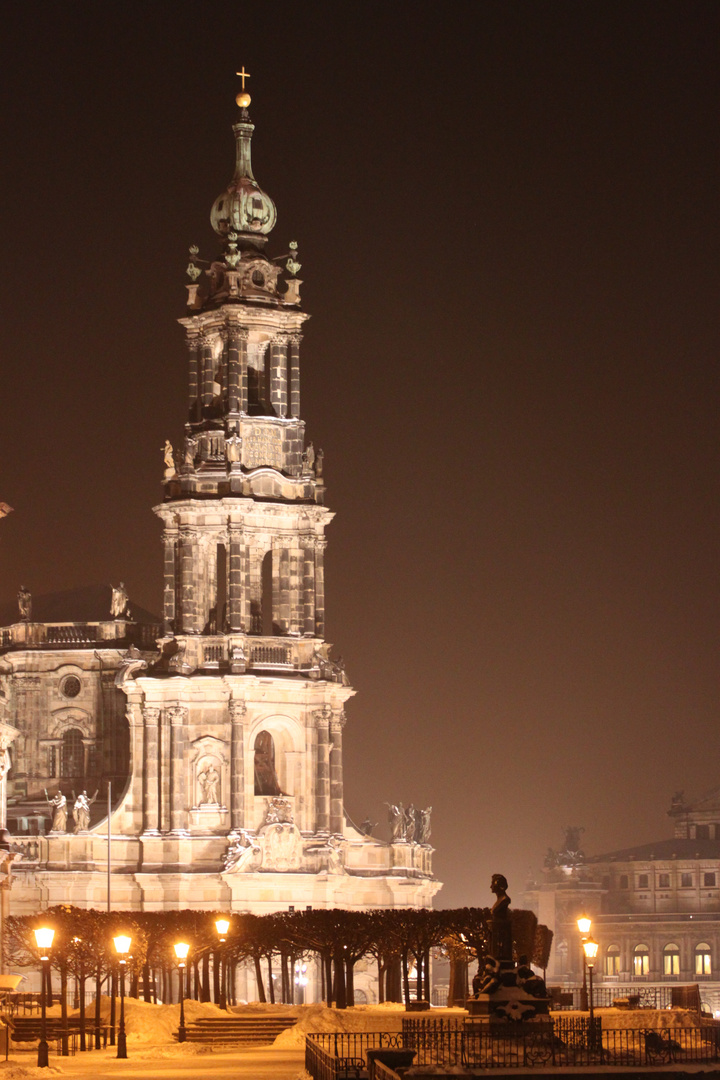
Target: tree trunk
[(271, 986), (205, 993), (98, 978), (329, 989), (393, 981), (419, 981), (405, 977), (64, 1010), (113, 992), (259, 980), (381, 981), (339, 985), (350, 982), (146, 982), (81, 1002), (216, 976)]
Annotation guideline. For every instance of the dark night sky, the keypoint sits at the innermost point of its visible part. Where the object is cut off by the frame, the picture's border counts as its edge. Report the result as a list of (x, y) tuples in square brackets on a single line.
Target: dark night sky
[(508, 223)]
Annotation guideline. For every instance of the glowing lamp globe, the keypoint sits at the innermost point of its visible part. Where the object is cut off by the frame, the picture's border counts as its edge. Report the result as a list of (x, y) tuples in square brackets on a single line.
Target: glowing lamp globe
[(44, 937), (181, 950), (122, 944), (591, 950), (222, 926), (583, 924), (243, 100)]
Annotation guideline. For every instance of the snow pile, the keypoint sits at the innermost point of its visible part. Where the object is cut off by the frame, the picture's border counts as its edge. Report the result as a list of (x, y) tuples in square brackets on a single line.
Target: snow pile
[(359, 1018), (648, 1018)]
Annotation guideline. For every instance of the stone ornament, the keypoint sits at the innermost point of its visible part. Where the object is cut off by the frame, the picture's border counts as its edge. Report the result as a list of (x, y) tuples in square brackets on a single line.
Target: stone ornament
[(81, 811), (209, 785), (283, 848), (279, 809), (243, 855), (25, 604), (59, 805), (119, 601)]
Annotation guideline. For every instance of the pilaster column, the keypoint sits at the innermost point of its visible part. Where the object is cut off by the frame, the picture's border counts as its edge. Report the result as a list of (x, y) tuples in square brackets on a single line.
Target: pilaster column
[(235, 577), (322, 776), (237, 369), (193, 344), (238, 710), (297, 598), (255, 558), (278, 374), (188, 556), (281, 584), (169, 542), (164, 768), (337, 723), (320, 545), (136, 764), (151, 789), (206, 390), (177, 716), (308, 586), (295, 340)]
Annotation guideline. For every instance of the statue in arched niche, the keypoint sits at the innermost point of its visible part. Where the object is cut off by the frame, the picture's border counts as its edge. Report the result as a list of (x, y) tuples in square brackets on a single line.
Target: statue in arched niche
[(209, 781), (266, 781)]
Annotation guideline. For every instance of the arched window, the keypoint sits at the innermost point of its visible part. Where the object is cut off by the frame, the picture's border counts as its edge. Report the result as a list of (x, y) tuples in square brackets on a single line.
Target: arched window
[(641, 960), (612, 960), (703, 962), (671, 960), (73, 754), (266, 781)]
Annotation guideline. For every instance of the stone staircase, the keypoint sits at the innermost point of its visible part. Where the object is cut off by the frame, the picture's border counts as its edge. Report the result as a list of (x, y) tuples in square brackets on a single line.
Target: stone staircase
[(27, 1028), (246, 1030)]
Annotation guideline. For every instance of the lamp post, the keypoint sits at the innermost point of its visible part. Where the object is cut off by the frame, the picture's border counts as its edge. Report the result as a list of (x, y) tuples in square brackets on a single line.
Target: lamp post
[(222, 925), (584, 923), (590, 951), (181, 950), (43, 938), (122, 948)]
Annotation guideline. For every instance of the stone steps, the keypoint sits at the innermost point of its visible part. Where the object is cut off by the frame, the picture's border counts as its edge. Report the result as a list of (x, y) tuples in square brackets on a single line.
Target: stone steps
[(238, 1030)]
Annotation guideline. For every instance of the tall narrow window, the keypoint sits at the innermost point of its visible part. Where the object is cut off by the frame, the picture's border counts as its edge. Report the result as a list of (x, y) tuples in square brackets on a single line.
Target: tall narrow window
[(267, 594), (703, 964), (641, 960), (612, 960), (266, 781), (671, 960), (221, 590), (73, 754)]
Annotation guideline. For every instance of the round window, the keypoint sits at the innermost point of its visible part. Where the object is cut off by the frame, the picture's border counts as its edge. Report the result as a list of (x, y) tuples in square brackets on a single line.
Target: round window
[(258, 278), (71, 686)]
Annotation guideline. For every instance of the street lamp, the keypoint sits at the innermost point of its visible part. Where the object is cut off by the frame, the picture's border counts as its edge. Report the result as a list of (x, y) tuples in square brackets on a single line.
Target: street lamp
[(122, 948), (43, 939), (181, 950), (222, 925), (584, 923), (590, 951)]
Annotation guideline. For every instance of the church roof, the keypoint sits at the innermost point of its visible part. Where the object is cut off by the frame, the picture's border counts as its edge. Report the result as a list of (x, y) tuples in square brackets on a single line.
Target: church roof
[(89, 603), (661, 850)]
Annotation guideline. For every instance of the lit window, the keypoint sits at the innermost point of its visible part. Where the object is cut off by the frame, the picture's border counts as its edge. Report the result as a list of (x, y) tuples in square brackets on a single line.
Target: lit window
[(643, 881), (641, 960), (663, 881), (703, 965), (671, 960), (709, 881), (686, 881), (612, 960)]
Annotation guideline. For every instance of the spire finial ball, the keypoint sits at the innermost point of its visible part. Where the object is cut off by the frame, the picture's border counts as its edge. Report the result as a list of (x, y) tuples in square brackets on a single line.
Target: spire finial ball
[(243, 100)]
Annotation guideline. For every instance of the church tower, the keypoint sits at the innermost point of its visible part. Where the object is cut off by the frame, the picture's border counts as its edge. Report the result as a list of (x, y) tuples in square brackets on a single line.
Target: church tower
[(234, 793)]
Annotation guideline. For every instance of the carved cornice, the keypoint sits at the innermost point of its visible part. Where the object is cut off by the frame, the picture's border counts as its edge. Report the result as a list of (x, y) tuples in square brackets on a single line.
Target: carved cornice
[(151, 715), (295, 339), (338, 721), (322, 716)]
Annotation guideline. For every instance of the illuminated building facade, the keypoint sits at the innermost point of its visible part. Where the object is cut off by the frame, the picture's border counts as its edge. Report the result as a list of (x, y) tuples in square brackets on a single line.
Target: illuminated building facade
[(655, 908), (224, 725)]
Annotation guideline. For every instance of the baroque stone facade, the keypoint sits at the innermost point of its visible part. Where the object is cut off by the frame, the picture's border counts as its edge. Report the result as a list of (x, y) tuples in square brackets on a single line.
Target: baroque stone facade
[(655, 908), (224, 734)]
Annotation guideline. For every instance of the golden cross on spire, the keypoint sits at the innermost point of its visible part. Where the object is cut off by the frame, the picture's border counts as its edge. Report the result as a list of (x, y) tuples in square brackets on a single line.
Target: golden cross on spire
[(243, 75)]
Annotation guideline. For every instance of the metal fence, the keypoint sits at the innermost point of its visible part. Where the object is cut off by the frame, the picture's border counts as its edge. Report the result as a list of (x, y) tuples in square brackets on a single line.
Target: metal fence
[(648, 997), (553, 1043)]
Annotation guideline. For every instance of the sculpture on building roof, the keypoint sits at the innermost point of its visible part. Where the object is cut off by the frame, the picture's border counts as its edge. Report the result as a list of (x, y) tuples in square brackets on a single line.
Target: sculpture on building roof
[(25, 603), (81, 811), (119, 602), (5, 509)]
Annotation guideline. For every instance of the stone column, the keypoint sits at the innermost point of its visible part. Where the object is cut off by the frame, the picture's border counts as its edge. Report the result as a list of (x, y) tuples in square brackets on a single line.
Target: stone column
[(235, 577), (206, 392), (278, 375), (243, 370), (169, 540), (177, 716), (238, 710), (188, 556), (164, 768), (237, 369), (337, 723), (8, 734), (297, 598), (151, 789), (308, 586), (193, 344), (320, 545), (136, 765), (322, 777), (295, 340), (281, 585)]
